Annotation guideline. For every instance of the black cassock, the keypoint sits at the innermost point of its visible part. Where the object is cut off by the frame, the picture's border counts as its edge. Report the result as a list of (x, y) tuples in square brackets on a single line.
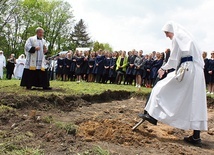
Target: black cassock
[(36, 78)]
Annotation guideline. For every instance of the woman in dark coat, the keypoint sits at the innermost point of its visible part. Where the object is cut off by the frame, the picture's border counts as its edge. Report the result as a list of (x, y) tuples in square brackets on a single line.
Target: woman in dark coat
[(73, 67), (98, 67), (10, 66), (206, 65), (85, 65), (112, 70), (211, 74), (67, 67), (59, 68), (130, 68), (79, 62), (139, 68), (106, 69), (156, 66), (91, 62), (148, 66)]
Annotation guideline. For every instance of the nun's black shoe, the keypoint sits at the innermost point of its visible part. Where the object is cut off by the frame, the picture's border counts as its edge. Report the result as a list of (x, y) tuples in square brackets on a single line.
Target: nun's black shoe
[(191, 140), (47, 88), (149, 118)]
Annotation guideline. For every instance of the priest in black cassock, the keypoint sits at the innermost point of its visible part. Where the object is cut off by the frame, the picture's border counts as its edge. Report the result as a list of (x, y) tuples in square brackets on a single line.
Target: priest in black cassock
[(35, 74)]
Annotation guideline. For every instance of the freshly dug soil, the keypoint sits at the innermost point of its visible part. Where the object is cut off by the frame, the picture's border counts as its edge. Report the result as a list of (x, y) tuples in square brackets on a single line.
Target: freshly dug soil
[(76, 124)]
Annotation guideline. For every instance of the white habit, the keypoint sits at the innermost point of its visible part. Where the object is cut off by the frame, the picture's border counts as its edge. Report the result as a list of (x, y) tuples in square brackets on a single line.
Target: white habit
[(181, 103), (19, 68), (2, 64)]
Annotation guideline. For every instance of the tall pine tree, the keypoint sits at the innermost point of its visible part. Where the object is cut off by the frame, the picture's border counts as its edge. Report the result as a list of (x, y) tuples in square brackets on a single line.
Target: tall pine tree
[(79, 36)]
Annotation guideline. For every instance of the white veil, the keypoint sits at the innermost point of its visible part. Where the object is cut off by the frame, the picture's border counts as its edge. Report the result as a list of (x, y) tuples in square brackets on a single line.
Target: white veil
[(2, 56), (22, 55), (185, 41)]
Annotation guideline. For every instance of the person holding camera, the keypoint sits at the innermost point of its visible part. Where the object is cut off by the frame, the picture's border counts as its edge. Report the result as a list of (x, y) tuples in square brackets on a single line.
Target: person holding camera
[(10, 66)]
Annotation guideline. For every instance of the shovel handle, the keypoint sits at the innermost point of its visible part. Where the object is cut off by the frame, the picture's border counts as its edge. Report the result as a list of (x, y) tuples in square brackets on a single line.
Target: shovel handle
[(138, 124)]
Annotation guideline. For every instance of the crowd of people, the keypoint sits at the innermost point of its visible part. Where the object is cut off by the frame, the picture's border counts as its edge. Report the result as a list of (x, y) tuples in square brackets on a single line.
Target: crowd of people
[(178, 100), (209, 72), (108, 67), (14, 67), (132, 68)]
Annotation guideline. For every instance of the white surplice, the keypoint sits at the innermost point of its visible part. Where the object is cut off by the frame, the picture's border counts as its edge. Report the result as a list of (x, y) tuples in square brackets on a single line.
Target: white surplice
[(38, 55), (181, 104)]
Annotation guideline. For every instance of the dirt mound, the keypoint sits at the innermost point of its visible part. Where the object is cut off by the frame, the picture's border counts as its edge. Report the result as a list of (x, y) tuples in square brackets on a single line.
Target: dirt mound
[(153, 139), (115, 132)]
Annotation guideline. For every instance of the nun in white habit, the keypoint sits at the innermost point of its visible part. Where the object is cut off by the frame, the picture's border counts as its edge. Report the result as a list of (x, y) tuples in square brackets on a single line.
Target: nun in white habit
[(19, 68), (2, 64), (179, 100)]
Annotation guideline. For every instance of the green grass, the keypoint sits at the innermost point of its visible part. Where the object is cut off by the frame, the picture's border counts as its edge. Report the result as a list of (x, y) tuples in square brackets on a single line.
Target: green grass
[(11, 149), (69, 127), (4, 108), (67, 88), (97, 150), (48, 119), (100, 151), (12, 146)]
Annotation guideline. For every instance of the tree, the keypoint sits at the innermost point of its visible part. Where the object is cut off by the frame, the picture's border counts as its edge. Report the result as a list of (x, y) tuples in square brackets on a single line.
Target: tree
[(56, 17), (96, 46), (79, 36), (107, 47), (103, 46), (7, 8), (20, 18), (7, 19)]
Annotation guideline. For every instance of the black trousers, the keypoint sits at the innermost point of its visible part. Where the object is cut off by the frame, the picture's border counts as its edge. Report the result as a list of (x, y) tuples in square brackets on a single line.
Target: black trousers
[(9, 75)]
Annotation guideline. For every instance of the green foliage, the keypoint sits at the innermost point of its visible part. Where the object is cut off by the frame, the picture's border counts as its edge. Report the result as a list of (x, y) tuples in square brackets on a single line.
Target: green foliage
[(107, 47), (96, 46), (79, 36), (103, 46), (20, 18)]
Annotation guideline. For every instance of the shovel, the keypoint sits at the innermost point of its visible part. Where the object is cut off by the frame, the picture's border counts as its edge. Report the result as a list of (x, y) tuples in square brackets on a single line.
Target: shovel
[(138, 124)]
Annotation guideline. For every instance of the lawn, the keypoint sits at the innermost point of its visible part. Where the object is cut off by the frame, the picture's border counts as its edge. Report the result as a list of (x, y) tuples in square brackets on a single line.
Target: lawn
[(68, 88)]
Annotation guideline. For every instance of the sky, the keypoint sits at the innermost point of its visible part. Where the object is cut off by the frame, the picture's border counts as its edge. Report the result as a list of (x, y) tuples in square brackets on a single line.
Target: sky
[(137, 24)]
